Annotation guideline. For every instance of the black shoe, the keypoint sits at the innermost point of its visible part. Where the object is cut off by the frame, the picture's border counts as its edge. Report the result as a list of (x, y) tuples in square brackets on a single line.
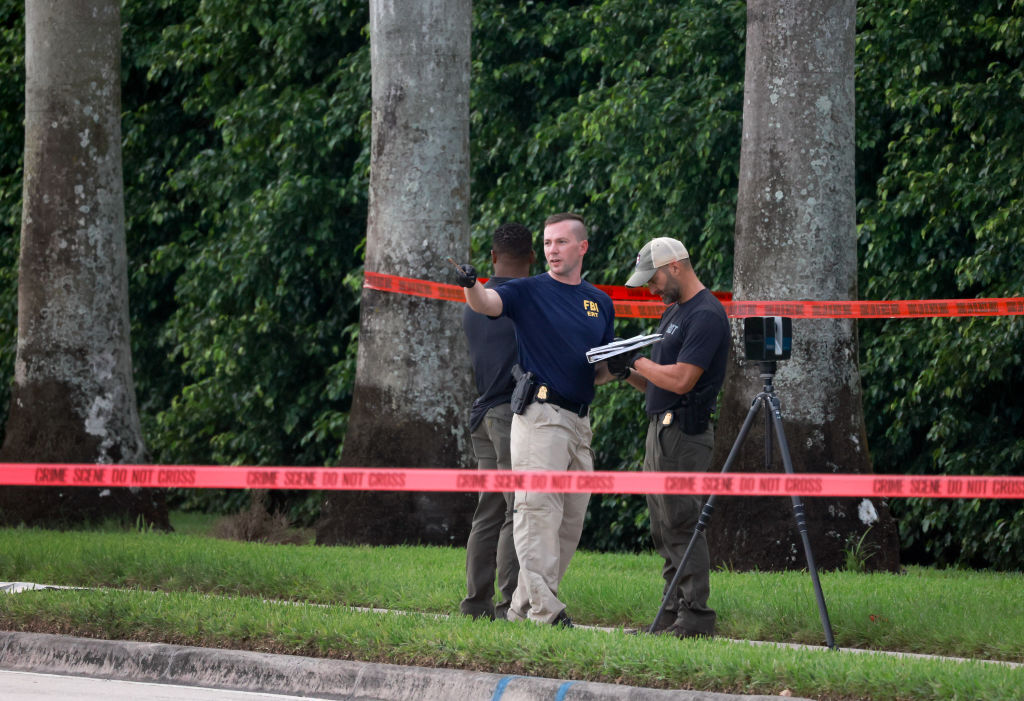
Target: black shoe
[(477, 614), (677, 630), (665, 620), (562, 620)]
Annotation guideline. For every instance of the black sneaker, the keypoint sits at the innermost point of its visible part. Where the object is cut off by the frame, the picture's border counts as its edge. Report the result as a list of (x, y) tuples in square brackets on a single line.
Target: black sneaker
[(476, 613), (662, 622), (677, 630), (562, 620)]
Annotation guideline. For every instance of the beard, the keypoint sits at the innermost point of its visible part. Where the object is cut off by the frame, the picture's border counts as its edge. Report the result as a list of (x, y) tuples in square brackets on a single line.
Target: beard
[(671, 292)]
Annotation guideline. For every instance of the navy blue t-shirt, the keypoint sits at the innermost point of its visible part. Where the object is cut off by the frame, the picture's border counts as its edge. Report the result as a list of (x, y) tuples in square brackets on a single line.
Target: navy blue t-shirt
[(556, 325), (695, 332)]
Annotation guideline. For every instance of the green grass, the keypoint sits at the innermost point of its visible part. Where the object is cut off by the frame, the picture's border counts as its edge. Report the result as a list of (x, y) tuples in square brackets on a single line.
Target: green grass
[(158, 587), (193, 523)]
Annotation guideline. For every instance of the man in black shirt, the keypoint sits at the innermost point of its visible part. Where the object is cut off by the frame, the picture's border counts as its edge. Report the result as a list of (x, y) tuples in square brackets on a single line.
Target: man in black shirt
[(493, 352), (681, 379)]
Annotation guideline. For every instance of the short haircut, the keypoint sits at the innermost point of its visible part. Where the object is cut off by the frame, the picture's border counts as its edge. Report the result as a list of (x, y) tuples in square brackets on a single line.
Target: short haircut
[(569, 216), (513, 240)]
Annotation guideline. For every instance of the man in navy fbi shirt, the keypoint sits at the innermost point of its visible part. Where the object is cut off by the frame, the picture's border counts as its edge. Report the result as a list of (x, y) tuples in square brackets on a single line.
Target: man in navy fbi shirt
[(558, 317)]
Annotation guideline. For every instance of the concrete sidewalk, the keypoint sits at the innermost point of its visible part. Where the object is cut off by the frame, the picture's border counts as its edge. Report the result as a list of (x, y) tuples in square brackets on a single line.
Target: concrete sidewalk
[(304, 676)]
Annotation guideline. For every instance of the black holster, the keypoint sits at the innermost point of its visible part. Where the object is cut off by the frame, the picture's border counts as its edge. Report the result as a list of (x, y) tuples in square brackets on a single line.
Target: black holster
[(694, 420), (694, 411), (524, 387)]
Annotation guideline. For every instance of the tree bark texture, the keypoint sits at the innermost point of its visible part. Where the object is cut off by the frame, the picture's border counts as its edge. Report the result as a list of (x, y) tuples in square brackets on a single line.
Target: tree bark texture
[(73, 398), (796, 239), (413, 382)]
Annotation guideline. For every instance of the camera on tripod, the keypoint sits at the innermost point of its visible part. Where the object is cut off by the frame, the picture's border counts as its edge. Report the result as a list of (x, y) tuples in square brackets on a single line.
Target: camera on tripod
[(767, 338)]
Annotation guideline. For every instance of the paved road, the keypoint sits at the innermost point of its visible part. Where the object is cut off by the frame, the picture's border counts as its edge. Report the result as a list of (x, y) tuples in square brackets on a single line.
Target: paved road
[(30, 686)]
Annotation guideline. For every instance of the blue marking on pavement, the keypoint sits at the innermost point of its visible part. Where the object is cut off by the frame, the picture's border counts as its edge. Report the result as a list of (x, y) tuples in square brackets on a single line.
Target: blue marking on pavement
[(563, 690), (500, 689)]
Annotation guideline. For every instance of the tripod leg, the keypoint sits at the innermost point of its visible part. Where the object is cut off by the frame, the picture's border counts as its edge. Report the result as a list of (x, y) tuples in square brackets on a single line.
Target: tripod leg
[(801, 524), (705, 513)]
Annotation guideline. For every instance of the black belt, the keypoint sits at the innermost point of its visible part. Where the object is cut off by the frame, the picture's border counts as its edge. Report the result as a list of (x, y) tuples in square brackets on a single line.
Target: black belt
[(676, 408), (544, 394)]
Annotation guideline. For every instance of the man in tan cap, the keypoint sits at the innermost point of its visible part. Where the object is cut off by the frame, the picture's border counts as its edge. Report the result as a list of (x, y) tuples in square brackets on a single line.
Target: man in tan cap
[(681, 379)]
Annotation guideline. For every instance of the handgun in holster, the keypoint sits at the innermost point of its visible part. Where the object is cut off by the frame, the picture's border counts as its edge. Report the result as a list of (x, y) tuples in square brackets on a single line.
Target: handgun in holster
[(524, 387), (694, 411)]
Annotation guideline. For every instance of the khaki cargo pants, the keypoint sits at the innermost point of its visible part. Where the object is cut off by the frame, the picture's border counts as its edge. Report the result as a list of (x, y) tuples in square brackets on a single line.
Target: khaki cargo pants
[(547, 526)]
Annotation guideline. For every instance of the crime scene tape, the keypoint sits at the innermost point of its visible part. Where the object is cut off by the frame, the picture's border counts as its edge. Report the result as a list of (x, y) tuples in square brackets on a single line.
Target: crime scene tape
[(456, 480), (639, 303), (440, 290)]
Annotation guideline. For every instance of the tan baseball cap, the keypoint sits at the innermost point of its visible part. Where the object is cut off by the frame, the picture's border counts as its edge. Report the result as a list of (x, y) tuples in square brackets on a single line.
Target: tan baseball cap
[(658, 252)]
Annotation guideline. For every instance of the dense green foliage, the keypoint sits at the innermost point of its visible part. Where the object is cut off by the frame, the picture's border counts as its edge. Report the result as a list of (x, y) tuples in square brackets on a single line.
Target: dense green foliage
[(12, 138), (941, 208), (246, 156), (248, 214), (603, 125)]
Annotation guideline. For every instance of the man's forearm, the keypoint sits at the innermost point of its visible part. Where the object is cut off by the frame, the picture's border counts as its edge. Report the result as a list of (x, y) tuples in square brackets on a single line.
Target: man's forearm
[(483, 301), (637, 380), (679, 378)]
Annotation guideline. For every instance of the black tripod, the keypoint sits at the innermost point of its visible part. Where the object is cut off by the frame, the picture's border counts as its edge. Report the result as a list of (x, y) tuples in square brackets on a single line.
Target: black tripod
[(773, 417)]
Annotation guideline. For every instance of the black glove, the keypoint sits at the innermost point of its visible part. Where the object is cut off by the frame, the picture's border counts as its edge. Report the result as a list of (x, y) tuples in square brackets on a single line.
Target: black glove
[(620, 365), (465, 275)]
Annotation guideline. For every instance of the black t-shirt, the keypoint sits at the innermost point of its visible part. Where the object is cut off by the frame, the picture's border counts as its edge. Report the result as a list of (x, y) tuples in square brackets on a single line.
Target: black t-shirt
[(695, 332), (492, 352)]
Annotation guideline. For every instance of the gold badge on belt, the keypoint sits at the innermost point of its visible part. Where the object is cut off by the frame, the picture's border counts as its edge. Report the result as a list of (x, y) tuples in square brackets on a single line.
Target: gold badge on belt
[(542, 393), (667, 419)]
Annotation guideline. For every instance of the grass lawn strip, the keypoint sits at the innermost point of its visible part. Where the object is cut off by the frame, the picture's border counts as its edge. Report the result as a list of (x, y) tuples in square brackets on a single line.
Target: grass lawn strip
[(950, 613), (510, 648), (16, 587), (194, 590)]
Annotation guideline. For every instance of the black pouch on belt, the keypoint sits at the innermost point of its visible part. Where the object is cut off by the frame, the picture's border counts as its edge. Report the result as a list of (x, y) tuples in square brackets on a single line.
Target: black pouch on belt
[(694, 420), (521, 393), (694, 411)]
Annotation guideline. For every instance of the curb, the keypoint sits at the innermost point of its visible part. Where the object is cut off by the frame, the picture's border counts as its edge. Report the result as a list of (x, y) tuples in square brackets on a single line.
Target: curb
[(303, 676)]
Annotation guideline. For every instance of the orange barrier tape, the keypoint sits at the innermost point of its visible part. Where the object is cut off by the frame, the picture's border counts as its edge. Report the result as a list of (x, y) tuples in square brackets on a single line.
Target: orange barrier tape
[(642, 294), (639, 303), (452, 480), (440, 290), (911, 309), (915, 309), (412, 286)]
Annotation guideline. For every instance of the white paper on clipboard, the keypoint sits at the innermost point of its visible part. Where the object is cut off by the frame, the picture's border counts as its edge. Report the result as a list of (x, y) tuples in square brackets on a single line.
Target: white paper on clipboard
[(599, 353)]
